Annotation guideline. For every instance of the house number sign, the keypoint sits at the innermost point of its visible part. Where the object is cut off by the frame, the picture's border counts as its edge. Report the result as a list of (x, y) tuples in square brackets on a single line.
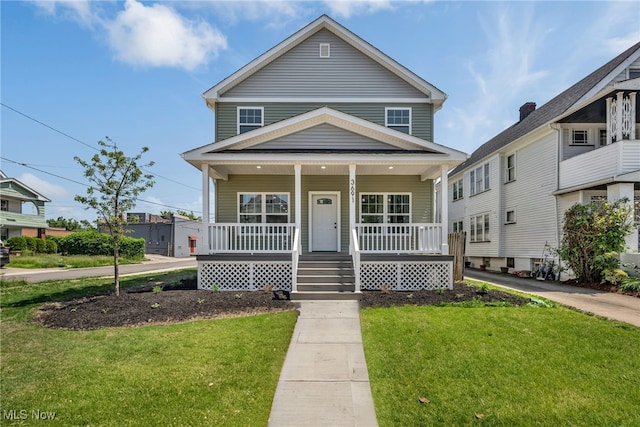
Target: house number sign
[(352, 190)]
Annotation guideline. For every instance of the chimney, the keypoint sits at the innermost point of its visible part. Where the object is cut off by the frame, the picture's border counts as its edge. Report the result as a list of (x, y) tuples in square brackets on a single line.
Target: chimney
[(526, 109)]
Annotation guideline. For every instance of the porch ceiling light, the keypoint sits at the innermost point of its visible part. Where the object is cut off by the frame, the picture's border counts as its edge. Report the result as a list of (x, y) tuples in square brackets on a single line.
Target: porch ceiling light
[(390, 167), (323, 167), (258, 167)]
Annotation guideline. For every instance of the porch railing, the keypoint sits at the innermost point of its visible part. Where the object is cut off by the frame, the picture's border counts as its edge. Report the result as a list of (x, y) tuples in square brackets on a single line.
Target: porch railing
[(400, 238), (251, 238), (295, 254), (355, 254)]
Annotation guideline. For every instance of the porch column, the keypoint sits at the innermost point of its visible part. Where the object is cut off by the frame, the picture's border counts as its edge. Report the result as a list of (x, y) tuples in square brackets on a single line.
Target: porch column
[(205, 209), (621, 191), (632, 97), (352, 201), (619, 116), (297, 169), (609, 122), (444, 209)]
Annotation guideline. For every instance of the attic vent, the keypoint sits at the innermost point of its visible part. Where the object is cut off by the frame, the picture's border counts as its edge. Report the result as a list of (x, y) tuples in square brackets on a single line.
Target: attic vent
[(325, 50)]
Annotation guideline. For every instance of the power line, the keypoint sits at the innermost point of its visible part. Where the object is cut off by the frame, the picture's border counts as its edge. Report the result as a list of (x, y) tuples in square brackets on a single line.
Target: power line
[(85, 144), (88, 186)]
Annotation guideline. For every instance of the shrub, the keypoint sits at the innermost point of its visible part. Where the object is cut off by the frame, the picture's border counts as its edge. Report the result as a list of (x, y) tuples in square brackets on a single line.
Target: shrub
[(41, 246), (593, 235), (630, 285), (18, 243), (51, 247), (132, 248), (31, 244), (93, 243)]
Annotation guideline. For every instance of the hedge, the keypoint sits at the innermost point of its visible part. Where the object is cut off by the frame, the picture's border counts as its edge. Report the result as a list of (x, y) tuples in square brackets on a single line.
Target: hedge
[(94, 243)]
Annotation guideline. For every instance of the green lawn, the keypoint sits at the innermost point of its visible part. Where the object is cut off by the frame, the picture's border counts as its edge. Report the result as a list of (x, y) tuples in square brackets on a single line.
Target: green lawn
[(513, 366), (66, 261), (215, 372)]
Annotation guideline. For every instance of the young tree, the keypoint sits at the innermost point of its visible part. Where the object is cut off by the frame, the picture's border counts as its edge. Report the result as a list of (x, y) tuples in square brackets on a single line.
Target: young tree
[(593, 235), (116, 180)]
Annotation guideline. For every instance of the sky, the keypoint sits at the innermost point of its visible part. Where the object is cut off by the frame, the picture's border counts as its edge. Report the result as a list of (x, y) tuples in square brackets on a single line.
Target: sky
[(73, 73)]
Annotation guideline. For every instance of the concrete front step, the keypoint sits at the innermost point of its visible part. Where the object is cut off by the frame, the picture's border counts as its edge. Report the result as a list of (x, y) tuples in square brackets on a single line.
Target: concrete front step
[(331, 296)]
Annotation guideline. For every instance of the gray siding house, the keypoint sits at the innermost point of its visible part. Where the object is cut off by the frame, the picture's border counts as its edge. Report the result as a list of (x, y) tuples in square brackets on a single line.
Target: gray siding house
[(323, 153), (581, 146), (176, 236)]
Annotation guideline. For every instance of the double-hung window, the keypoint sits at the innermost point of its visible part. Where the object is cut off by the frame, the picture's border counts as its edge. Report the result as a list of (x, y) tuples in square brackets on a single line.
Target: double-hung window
[(458, 192), (385, 208), (250, 118), (4, 205), (263, 208), (579, 137), (479, 179), (511, 168), (398, 119), (458, 226), (479, 227)]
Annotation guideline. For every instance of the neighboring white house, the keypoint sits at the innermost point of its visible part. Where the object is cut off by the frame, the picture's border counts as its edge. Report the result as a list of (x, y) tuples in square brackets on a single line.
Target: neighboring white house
[(323, 147), (21, 210), (581, 146)]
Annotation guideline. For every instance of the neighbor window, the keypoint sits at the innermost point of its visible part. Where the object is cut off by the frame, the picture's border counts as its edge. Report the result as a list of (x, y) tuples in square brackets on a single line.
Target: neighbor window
[(479, 179), (579, 137), (398, 119), (263, 208), (458, 226), (511, 168), (479, 226), (634, 73), (385, 208), (250, 118), (457, 190), (511, 217), (4, 205), (602, 136)]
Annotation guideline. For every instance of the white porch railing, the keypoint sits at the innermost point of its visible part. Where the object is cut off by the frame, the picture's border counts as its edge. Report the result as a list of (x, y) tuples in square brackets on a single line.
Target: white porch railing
[(355, 254), (251, 238), (400, 238), (295, 254)]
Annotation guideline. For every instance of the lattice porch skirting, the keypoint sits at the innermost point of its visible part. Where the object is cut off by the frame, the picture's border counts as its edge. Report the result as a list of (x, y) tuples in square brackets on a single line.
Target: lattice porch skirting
[(235, 275), (403, 275)]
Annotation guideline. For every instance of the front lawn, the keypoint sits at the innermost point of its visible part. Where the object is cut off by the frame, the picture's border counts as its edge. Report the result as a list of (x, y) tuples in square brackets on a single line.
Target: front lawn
[(65, 261), (510, 366), (212, 372)]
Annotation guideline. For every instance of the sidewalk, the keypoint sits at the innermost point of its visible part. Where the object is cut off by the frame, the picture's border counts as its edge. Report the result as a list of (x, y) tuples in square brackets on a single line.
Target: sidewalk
[(324, 380), (613, 306)]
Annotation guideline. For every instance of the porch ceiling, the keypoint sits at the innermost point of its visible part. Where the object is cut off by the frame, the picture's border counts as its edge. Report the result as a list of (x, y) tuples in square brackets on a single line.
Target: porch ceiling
[(426, 171)]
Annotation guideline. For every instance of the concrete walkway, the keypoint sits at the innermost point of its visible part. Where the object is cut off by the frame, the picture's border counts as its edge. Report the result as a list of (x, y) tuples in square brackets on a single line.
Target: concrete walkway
[(324, 380), (620, 307)]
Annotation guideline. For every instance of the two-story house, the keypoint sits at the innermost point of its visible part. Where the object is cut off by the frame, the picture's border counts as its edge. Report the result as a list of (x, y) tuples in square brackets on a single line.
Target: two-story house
[(581, 146), (21, 209), (322, 171)]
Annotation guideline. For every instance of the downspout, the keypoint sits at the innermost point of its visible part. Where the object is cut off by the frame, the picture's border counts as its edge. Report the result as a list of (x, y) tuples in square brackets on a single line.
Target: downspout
[(556, 127)]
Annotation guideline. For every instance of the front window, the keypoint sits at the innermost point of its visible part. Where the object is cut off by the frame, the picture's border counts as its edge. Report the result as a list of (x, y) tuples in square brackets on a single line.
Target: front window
[(385, 208), (511, 168), (579, 137), (479, 225), (479, 179), (4, 205), (263, 208), (250, 118), (457, 190), (398, 119)]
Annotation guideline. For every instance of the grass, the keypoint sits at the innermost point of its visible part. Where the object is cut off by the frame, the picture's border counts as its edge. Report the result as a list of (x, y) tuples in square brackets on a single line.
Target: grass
[(216, 372), (68, 261), (513, 366)]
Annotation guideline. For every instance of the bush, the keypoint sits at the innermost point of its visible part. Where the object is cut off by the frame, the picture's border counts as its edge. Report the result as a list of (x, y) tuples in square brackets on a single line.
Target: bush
[(593, 235), (41, 245), (18, 243), (51, 247), (94, 243)]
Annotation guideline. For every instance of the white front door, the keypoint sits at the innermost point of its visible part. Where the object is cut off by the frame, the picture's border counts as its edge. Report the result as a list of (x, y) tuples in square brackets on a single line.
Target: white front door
[(325, 225)]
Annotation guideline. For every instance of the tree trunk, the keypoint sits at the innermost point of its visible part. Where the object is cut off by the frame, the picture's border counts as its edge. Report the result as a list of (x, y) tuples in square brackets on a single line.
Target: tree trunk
[(116, 275)]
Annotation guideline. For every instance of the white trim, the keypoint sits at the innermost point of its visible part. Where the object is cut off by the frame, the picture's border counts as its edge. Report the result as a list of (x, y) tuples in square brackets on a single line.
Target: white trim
[(263, 211), (324, 50), (325, 100), (248, 107), (385, 211), (506, 216), (310, 217), (506, 168)]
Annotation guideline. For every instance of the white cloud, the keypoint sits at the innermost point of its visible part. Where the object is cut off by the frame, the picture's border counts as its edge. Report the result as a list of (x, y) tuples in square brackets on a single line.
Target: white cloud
[(159, 36), (47, 189), (347, 8)]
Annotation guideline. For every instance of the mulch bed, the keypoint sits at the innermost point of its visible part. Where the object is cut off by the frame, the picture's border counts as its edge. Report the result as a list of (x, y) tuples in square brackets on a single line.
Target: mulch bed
[(141, 306)]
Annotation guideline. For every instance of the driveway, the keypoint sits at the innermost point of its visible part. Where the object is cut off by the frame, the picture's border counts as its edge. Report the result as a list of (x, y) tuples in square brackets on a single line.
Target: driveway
[(620, 307), (154, 263)]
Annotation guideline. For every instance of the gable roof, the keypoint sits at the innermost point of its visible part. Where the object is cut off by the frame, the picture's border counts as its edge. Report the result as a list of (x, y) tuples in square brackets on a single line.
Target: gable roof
[(11, 187), (575, 95), (324, 22)]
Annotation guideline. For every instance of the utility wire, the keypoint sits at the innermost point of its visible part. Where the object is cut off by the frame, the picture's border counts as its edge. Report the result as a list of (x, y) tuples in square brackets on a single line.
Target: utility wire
[(86, 185), (85, 144)]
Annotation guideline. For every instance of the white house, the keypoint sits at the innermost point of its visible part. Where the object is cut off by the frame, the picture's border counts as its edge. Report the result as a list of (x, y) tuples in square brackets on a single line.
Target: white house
[(511, 194)]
